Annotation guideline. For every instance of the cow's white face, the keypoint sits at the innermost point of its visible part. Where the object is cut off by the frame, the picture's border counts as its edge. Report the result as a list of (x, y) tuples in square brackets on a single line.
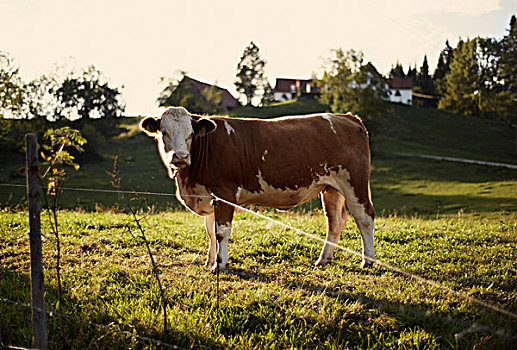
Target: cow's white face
[(176, 137), (174, 132)]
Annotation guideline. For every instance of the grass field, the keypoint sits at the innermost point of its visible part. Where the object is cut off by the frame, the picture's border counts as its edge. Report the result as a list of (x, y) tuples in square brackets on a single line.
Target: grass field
[(272, 296), (452, 223)]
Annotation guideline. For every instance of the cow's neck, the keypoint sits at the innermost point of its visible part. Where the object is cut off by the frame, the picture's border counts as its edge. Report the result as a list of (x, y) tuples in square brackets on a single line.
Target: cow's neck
[(199, 161)]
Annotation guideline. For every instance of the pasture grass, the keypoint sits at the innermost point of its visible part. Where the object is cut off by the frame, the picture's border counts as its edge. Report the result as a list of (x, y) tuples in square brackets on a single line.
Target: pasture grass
[(272, 296)]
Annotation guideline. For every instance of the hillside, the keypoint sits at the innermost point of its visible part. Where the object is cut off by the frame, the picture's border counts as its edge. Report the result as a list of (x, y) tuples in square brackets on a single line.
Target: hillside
[(423, 130), (409, 129), (399, 184)]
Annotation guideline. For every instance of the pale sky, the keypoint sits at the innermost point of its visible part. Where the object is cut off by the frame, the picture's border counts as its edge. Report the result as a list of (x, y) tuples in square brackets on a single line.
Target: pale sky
[(134, 43)]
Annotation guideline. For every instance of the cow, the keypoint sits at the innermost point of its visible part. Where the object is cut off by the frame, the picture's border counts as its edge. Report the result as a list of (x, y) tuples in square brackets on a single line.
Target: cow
[(278, 163)]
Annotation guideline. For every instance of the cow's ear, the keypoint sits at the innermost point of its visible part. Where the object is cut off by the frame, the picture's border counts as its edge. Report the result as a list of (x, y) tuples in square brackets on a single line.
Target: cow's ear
[(150, 126), (203, 126)]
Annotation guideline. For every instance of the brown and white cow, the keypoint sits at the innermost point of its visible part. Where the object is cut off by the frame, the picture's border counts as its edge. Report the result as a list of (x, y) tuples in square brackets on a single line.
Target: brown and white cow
[(277, 163)]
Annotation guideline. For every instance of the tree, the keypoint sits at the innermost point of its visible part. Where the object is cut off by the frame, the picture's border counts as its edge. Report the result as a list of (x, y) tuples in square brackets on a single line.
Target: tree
[(495, 98), (268, 96), (12, 89), (250, 77), (474, 84), (412, 73), (508, 73), (461, 81), (349, 85), (84, 101), (397, 71), (442, 68), (488, 53), (213, 98), (424, 85), (42, 100), (179, 92), (88, 97)]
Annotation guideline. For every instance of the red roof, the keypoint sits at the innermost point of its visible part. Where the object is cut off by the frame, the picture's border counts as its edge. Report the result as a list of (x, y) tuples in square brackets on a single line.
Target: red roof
[(295, 85), (401, 83), (228, 100)]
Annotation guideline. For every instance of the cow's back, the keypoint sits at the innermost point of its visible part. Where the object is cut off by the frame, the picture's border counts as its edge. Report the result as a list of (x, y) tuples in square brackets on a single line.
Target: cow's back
[(287, 153)]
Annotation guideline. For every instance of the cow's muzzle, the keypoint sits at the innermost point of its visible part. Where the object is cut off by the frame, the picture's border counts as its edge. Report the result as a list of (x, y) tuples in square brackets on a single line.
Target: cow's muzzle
[(180, 159)]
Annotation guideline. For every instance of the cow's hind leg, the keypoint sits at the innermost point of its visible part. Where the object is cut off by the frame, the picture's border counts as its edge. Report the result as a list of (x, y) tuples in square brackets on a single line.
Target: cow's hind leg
[(212, 243), (361, 208), (335, 211)]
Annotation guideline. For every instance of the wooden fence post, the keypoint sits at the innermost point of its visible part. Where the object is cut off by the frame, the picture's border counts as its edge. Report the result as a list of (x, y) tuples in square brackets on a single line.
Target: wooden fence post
[(39, 316)]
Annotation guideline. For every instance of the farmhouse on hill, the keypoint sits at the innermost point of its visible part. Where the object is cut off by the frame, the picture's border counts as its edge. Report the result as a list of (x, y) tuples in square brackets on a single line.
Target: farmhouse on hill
[(401, 90), (228, 101), (197, 96), (287, 89)]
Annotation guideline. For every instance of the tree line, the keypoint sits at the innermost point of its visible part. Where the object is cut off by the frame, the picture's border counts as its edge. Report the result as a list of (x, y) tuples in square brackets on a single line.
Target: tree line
[(478, 77), (82, 100)]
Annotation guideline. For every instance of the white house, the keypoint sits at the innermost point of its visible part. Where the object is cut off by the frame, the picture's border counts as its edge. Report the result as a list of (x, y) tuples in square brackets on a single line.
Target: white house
[(401, 90)]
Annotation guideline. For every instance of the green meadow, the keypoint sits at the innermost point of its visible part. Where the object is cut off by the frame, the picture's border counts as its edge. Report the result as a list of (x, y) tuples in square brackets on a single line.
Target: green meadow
[(272, 296), (447, 222)]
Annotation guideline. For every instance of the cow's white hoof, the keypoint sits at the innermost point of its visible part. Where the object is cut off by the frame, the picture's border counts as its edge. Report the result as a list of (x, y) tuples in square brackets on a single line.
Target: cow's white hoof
[(366, 264), (217, 266), (322, 262)]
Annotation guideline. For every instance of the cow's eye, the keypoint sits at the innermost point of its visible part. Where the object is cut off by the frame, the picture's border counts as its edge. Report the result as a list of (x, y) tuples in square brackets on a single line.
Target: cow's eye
[(164, 133)]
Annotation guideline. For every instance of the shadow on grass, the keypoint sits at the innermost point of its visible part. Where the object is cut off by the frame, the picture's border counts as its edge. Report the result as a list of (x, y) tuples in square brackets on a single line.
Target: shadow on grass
[(464, 331), (86, 326)]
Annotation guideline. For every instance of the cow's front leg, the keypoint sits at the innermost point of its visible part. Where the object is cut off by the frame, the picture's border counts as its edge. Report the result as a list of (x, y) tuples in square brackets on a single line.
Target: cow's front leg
[(223, 228), (212, 243)]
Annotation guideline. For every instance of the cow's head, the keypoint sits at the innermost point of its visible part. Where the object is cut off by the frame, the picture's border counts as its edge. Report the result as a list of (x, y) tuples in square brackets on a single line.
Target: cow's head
[(174, 132)]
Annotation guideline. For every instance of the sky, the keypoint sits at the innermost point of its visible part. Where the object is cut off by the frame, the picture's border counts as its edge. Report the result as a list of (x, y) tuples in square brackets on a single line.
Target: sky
[(135, 43)]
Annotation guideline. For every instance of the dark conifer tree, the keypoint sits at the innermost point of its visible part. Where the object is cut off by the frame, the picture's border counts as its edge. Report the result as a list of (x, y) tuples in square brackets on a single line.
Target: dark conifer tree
[(462, 81), (424, 85), (442, 68), (397, 71), (508, 62)]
